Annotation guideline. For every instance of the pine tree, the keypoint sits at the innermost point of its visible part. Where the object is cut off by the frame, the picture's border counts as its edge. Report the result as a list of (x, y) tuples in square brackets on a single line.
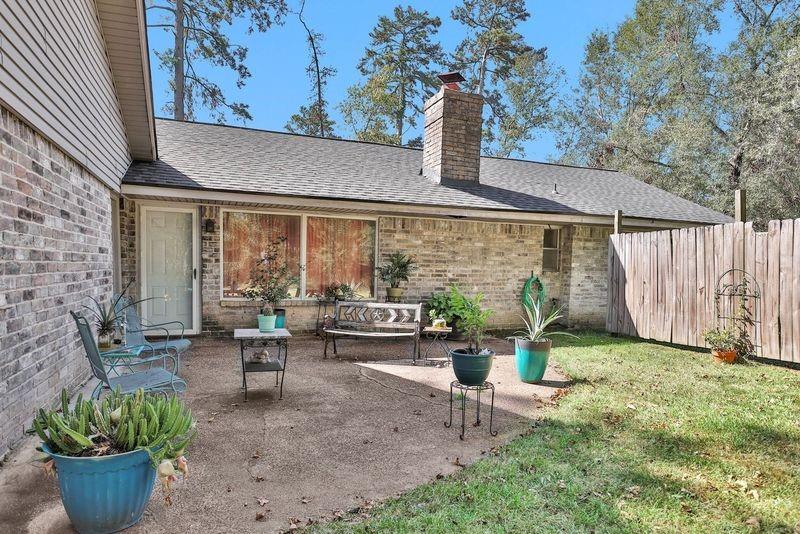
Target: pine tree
[(403, 54), (198, 28), (514, 78), (314, 119)]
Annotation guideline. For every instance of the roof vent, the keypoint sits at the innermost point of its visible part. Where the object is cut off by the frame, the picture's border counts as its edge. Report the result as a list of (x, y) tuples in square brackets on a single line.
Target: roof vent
[(450, 80), (555, 189)]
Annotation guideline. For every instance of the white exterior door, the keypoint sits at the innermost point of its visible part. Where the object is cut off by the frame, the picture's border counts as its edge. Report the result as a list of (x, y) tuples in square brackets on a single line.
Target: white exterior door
[(169, 267)]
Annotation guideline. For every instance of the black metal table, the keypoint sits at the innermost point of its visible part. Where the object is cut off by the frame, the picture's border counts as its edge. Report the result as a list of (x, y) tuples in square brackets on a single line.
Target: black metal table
[(455, 384), (254, 338)]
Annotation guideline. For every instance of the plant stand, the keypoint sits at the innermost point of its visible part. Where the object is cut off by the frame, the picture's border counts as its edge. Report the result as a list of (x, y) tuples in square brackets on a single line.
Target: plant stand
[(438, 339), (455, 384)]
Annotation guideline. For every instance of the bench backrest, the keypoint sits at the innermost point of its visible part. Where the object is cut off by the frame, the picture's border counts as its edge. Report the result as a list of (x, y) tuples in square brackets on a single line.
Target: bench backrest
[(378, 315)]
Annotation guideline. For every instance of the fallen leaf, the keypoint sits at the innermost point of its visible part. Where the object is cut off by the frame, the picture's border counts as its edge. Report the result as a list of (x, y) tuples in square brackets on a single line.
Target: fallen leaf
[(633, 492), (259, 479), (753, 522), (228, 489), (256, 455), (630, 406), (396, 429), (210, 419), (304, 500), (262, 501), (260, 516), (457, 462)]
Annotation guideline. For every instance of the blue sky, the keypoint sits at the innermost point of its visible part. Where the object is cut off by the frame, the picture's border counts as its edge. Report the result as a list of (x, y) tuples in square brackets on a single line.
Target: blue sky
[(277, 59)]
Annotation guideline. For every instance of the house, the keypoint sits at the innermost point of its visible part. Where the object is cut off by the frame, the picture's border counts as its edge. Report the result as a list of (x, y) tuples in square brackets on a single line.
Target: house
[(95, 193)]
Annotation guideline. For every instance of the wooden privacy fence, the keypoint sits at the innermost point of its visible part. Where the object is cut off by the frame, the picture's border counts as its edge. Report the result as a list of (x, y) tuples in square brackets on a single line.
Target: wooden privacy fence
[(661, 285)]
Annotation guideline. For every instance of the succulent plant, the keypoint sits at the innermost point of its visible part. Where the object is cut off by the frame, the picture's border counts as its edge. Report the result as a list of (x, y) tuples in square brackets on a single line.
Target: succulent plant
[(118, 424)]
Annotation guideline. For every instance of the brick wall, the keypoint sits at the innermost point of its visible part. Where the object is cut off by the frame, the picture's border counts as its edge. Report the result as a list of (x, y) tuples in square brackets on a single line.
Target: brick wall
[(55, 251), (128, 247), (589, 280), (492, 258)]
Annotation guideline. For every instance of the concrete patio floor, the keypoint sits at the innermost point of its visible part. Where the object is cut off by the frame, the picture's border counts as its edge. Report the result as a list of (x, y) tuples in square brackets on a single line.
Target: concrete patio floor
[(346, 432)]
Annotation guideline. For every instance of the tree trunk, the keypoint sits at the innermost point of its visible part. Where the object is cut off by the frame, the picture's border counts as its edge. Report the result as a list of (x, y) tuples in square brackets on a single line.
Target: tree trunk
[(401, 113), (179, 87), (482, 71)]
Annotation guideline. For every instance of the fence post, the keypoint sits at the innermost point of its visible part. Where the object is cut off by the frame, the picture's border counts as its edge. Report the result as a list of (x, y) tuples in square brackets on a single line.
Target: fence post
[(740, 202), (617, 221)]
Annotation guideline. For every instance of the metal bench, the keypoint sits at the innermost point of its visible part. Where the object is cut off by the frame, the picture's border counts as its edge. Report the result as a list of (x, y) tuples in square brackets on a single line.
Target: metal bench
[(373, 320)]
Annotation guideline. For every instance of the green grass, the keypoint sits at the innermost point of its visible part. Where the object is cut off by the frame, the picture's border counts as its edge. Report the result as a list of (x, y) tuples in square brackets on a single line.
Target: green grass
[(650, 438)]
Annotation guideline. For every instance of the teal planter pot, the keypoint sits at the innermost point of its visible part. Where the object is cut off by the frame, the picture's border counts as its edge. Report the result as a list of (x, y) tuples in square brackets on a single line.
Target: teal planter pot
[(280, 321), (266, 323), (471, 369), (106, 493), (531, 358)]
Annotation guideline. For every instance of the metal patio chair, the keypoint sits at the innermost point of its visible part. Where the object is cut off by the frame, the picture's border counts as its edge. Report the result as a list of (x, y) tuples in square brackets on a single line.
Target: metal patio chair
[(155, 379), (135, 330)]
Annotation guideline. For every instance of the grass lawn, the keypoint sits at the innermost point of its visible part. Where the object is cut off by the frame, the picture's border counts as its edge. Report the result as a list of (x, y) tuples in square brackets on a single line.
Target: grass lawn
[(651, 438)]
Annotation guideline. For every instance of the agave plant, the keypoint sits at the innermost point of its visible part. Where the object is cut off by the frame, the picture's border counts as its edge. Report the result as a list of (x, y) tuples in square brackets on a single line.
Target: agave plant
[(105, 314), (119, 424), (537, 322)]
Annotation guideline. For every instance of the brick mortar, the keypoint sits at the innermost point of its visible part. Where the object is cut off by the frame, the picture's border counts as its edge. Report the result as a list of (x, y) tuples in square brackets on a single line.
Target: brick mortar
[(56, 227)]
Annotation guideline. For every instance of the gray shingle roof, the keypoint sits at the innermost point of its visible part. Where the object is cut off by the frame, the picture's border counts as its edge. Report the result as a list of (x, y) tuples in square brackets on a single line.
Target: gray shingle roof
[(204, 156)]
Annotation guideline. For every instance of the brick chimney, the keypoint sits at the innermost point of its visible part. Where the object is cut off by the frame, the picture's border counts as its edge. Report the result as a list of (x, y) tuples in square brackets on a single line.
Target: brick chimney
[(452, 141)]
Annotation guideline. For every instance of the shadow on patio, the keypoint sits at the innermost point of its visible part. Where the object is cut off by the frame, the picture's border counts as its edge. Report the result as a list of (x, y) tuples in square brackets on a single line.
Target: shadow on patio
[(343, 433)]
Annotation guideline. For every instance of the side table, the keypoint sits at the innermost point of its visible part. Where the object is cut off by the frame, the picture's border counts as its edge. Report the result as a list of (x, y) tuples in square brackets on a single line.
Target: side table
[(438, 337), (455, 384), (254, 338)]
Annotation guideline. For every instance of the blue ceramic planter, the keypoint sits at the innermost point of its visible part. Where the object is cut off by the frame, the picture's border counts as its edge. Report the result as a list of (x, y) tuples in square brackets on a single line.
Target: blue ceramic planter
[(106, 493), (471, 369), (280, 318), (531, 358), (266, 323)]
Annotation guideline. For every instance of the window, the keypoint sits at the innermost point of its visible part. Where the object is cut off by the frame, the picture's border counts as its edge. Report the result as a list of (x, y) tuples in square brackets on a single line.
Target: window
[(551, 250), (340, 251), (245, 237), (337, 250)]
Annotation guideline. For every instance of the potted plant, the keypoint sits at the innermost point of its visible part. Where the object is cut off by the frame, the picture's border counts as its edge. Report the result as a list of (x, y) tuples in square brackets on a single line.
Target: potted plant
[(106, 319), (440, 306), (472, 364), (532, 345), (270, 281), (437, 321), (397, 269), (723, 344), (107, 455)]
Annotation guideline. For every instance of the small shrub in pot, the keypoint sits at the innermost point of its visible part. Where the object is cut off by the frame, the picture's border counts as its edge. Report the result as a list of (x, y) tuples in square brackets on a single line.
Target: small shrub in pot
[(472, 364)]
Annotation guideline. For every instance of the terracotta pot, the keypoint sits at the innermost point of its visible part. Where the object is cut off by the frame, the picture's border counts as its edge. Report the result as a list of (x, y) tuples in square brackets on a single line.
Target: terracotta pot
[(724, 356)]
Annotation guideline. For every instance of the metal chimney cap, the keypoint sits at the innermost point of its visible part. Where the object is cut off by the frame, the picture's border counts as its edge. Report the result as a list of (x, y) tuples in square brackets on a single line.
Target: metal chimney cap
[(451, 79)]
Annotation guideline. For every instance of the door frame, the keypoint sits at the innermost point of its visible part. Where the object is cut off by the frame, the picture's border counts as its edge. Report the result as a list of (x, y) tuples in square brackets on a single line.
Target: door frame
[(196, 315)]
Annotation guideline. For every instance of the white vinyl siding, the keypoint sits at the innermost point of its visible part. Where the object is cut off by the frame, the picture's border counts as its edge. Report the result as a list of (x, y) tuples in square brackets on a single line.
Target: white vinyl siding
[(55, 74)]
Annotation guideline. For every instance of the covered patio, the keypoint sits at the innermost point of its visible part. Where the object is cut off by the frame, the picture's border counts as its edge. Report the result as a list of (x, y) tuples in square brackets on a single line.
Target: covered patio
[(346, 433)]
